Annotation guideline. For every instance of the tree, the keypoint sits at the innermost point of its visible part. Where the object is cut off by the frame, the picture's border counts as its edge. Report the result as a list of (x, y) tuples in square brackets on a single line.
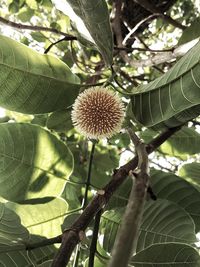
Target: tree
[(69, 198)]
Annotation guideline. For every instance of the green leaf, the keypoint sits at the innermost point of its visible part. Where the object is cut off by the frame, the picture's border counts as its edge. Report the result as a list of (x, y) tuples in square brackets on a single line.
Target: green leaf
[(32, 4), (190, 172), (43, 219), (95, 16), (163, 255), (173, 98), (16, 258), (41, 254), (190, 33), (163, 222), (38, 36), (33, 83), (97, 262), (60, 121), (110, 222), (34, 163), (183, 143), (171, 187), (13, 237), (46, 264), (25, 14), (12, 234)]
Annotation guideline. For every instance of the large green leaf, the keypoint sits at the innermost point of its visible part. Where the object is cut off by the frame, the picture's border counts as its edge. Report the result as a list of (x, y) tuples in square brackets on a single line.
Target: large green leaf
[(33, 83), (13, 237), (43, 219), (34, 163), (171, 187), (18, 258), (163, 222), (164, 255), (12, 234), (183, 143), (95, 16), (41, 254), (191, 173), (172, 98)]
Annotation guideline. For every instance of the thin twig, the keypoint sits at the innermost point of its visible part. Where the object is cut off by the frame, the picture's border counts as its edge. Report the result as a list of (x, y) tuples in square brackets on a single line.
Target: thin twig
[(153, 16), (36, 28), (45, 242), (55, 43)]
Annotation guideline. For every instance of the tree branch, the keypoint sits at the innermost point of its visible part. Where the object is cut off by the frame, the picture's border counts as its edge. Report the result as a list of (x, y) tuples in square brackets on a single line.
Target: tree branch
[(154, 10), (126, 240), (36, 28), (72, 236), (164, 56)]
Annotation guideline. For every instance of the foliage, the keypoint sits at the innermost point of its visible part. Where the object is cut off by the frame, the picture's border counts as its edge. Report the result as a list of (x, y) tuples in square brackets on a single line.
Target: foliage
[(48, 173)]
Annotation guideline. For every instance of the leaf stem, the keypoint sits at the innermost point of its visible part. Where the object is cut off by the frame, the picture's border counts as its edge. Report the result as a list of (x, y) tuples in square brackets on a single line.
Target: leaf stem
[(85, 199), (93, 245)]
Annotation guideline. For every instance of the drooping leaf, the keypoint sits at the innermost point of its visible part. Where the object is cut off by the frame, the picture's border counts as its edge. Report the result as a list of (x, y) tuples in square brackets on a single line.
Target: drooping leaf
[(173, 98), (191, 173), (171, 187), (33, 83), (44, 219), (163, 255), (34, 163), (95, 16)]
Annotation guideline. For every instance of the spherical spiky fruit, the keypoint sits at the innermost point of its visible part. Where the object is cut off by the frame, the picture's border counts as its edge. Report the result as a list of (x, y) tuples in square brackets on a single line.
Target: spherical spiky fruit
[(98, 113)]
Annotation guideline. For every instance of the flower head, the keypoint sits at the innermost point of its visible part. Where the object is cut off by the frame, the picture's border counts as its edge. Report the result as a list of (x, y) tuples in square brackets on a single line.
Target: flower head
[(98, 113)]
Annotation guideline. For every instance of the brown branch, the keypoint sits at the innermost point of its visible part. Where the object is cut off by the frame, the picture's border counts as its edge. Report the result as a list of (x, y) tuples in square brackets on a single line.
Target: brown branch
[(137, 26), (36, 28), (154, 10), (164, 56), (126, 240), (71, 237)]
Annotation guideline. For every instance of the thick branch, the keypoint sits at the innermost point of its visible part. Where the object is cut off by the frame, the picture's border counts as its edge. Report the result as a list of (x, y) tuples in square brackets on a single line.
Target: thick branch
[(126, 239), (164, 56), (36, 28), (72, 236)]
